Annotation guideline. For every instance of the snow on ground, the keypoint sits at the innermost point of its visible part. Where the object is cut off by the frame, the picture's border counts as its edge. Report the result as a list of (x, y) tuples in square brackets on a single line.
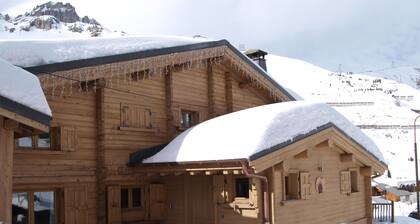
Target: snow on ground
[(26, 53), (364, 100), (272, 125), (22, 87)]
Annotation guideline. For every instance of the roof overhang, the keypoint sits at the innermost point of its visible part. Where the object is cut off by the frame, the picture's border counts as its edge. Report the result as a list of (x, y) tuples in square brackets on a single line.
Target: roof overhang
[(232, 52), (328, 136), (24, 115)]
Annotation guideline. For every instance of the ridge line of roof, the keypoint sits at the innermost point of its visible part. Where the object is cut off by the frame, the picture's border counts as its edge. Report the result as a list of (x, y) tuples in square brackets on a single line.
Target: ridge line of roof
[(61, 66), (24, 110)]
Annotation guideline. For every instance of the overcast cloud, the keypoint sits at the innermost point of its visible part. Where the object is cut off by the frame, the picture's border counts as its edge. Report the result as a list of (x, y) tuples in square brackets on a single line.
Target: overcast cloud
[(358, 34)]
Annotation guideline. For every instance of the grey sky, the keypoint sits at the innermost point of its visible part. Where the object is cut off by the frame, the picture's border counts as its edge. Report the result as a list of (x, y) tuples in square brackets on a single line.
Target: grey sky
[(358, 34)]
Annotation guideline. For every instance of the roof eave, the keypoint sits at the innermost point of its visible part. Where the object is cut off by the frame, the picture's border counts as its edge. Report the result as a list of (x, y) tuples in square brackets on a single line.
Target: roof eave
[(40, 120)]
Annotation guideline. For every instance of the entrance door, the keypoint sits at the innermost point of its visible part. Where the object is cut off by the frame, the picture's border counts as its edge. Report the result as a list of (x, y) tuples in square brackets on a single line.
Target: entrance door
[(201, 199)]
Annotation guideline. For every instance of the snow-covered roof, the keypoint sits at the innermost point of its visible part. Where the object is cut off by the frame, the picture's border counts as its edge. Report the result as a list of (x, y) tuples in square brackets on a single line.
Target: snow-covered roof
[(26, 52), (22, 87), (246, 133)]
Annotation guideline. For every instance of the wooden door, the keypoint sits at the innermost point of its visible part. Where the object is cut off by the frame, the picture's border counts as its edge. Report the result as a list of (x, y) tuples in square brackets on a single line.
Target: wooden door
[(114, 204), (201, 198), (75, 205), (157, 202)]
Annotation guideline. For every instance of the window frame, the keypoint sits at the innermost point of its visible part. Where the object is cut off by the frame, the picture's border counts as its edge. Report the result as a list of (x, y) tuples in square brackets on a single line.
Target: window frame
[(35, 144), (195, 115), (124, 123), (31, 200), (286, 185), (354, 171), (130, 197), (235, 187)]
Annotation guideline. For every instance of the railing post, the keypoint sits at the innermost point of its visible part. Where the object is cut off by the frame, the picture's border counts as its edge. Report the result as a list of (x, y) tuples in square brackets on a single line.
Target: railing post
[(392, 216)]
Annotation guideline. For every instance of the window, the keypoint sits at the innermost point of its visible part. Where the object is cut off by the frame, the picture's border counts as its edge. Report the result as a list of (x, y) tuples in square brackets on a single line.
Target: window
[(42, 141), (354, 181), (349, 181), (189, 118), (40, 205), (291, 183), (242, 188), (59, 138), (135, 116), (131, 197)]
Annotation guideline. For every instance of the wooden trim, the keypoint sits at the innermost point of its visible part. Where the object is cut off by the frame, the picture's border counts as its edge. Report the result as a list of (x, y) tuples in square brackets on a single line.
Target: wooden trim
[(152, 130), (101, 170), (210, 90), (170, 119), (229, 92), (23, 120)]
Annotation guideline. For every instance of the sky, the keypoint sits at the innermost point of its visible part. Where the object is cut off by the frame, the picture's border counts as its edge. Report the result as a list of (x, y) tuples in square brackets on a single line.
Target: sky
[(354, 35)]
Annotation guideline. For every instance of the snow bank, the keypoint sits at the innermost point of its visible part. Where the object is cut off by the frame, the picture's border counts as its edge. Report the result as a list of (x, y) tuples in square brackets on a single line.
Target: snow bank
[(244, 133), (22, 87), (27, 53)]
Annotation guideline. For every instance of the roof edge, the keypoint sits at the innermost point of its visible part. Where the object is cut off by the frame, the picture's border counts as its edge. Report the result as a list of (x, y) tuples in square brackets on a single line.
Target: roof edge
[(326, 126), (24, 111), (62, 66)]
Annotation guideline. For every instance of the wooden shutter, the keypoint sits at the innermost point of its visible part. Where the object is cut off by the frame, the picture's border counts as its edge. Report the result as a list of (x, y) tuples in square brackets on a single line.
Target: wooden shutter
[(114, 204), (157, 199), (75, 203), (135, 116), (218, 189), (68, 139), (305, 185), (345, 186)]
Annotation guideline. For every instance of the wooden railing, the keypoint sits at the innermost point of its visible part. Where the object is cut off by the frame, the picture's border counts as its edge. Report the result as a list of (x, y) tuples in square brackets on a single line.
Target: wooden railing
[(383, 211)]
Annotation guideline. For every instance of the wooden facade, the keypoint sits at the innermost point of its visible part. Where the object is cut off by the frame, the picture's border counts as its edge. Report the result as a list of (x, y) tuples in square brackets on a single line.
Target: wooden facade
[(98, 122)]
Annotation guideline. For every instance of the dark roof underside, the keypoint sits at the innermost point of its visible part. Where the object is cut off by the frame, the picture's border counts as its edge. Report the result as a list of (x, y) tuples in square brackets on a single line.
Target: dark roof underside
[(62, 66), (139, 156), (24, 111)]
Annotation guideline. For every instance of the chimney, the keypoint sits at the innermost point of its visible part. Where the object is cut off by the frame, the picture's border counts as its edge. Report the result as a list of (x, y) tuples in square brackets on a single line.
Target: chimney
[(258, 56)]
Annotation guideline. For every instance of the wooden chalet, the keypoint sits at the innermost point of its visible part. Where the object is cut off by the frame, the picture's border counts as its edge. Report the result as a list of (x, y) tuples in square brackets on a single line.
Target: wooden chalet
[(112, 112)]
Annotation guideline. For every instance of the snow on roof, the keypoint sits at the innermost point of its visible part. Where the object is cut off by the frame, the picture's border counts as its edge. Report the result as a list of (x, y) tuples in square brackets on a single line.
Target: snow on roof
[(22, 87), (245, 133), (26, 53)]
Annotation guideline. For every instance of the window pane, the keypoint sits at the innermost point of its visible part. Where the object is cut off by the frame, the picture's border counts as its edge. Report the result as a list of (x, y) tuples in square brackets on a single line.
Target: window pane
[(124, 198), (44, 141), (20, 208), (136, 194), (25, 142), (242, 187), (44, 207)]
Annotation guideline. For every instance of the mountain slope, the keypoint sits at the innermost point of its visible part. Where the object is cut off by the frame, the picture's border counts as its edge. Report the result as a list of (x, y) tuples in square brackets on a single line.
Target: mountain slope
[(51, 20), (381, 107)]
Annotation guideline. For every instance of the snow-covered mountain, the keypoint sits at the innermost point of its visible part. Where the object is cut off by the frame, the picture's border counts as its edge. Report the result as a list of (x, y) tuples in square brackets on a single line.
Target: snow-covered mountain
[(381, 107), (52, 20), (405, 74)]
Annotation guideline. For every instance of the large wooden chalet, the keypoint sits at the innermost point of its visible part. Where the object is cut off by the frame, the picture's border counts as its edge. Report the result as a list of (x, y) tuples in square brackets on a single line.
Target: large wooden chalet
[(109, 113)]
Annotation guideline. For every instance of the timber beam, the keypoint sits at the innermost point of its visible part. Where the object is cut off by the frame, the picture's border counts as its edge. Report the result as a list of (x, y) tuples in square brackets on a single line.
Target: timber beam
[(346, 157)]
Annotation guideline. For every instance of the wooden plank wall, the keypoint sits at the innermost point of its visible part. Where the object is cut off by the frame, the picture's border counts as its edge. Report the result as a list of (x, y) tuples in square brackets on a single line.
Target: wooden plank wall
[(328, 207), (102, 152)]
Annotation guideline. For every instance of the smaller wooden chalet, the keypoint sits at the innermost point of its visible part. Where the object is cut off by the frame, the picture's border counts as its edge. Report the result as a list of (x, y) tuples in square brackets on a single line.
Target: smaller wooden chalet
[(263, 170), (23, 111), (394, 194)]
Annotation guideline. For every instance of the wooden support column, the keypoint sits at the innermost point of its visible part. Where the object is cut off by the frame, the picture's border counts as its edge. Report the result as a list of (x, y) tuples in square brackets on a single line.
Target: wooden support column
[(6, 168), (169, 93), (229, 92), (101, 173), (210, 90), (368, 193)]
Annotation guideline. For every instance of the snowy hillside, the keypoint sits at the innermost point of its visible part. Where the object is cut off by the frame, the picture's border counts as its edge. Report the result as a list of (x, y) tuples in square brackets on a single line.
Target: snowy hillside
[(381, 107), (406, 74), (51, 20)]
